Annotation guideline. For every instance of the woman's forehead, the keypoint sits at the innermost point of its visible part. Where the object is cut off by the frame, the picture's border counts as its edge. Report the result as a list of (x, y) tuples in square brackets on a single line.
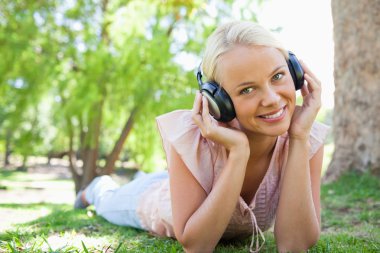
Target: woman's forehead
[(248, 62)]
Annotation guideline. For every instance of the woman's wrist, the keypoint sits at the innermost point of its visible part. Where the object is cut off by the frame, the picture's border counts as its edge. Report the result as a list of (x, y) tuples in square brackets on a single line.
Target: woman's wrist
[(299, 140), (240, 151), (299, 136)]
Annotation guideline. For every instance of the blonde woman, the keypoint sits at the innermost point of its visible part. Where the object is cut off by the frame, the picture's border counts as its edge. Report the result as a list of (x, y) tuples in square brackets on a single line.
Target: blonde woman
[(253, 163)]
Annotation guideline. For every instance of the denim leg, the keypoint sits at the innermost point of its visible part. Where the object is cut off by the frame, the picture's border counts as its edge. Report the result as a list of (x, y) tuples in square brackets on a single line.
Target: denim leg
[(118, 204), (99, 188)]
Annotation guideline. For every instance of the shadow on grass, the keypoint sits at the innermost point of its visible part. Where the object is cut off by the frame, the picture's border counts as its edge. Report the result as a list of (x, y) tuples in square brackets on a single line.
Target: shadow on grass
[(64, 218), (350, 218), (76, 227), (351, 202), (14, 175), (81, 225), (10, 174)]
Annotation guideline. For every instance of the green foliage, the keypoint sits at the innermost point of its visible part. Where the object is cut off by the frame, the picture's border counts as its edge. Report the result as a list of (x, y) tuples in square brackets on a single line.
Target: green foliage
[(22, 70), (70, 67)]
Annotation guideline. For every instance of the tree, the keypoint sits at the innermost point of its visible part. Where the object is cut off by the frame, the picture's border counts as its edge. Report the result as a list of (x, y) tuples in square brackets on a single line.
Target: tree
[(356, 123), (124, 65), (104, 76), (23, 70), (102, 70)]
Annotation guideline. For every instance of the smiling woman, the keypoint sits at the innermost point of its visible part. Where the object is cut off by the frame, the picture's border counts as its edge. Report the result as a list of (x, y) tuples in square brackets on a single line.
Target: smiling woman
[(234, 177), (258, 80)]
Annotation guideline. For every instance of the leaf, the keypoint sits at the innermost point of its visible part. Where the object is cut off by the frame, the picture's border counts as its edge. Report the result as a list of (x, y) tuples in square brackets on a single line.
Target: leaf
[(84, 247), (117, 249)]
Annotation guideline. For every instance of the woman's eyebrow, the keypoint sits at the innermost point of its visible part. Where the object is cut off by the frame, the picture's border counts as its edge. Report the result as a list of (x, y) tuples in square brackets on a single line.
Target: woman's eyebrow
[(276, 69), (244, 84), (252, 82)]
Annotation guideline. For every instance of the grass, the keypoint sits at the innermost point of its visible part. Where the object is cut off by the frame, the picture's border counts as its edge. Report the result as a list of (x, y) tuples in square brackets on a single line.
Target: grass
[(350, 218)]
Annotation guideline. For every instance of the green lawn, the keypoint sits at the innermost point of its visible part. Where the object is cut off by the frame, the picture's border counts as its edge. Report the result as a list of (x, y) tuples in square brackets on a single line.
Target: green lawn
[(350, 218)]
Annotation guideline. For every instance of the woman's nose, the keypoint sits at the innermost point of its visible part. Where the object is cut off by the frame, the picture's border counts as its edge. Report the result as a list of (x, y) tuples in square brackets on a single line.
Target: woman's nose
[(270, 97)]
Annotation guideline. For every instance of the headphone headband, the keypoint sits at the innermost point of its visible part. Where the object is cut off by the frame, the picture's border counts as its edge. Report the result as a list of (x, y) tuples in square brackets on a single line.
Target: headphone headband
[(199, 76)]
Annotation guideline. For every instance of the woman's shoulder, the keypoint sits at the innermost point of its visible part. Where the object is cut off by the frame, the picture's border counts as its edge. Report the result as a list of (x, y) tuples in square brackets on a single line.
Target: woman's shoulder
[(317, 138), (175, 116), (319, 131), (179, 132), (177, 125), (175, 113)]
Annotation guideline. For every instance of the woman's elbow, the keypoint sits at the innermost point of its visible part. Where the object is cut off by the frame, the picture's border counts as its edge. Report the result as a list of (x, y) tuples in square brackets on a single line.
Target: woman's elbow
[(311, 240), (194, 246), (198, 249), (300, 244)]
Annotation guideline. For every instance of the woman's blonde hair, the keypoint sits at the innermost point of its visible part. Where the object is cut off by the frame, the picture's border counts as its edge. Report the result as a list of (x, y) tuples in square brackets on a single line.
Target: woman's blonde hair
[(231, 34)]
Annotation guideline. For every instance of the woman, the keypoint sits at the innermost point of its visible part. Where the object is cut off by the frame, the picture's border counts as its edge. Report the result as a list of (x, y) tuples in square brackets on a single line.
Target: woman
[(232, 179)]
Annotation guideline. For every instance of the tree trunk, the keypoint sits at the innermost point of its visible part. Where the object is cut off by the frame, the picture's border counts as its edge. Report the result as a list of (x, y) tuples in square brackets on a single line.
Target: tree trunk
[(89, 166), (114, 155), (7, 148), (24, 163), (91, 146), (72, 158), (356, 124)]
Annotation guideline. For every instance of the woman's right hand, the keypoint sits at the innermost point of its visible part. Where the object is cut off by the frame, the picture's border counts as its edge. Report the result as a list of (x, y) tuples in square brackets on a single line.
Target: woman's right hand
[(227, 135)]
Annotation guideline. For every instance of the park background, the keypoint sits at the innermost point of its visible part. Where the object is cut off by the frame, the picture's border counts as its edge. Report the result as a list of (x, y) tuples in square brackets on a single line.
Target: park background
[(81, 83)]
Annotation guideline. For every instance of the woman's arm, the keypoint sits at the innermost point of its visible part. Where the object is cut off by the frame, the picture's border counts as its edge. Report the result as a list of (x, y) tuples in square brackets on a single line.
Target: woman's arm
[(297, 225), (199, 219)]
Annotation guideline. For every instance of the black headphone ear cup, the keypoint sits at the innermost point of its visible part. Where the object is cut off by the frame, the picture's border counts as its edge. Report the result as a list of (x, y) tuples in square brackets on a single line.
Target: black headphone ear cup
[(296, 71), (220, 103)]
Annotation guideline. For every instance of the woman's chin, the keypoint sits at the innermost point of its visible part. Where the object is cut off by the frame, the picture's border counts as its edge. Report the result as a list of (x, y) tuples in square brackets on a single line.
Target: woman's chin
[(273, 132)]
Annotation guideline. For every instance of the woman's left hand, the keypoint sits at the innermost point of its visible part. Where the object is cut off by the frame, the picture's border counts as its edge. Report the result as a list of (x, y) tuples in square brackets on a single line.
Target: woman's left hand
[(304, 116)]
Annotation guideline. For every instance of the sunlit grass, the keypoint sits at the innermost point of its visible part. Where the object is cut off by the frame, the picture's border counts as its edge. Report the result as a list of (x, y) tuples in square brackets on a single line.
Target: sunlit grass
[(350, 218), (65, 230)]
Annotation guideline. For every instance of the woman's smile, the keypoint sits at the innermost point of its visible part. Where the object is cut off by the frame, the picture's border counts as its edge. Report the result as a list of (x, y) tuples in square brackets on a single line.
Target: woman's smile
[(274, 116)]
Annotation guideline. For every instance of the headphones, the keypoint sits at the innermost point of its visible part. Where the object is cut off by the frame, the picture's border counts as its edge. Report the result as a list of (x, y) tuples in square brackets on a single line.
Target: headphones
[(220, 103)]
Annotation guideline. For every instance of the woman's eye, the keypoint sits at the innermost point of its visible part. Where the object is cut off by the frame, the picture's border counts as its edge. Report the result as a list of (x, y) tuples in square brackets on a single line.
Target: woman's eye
[(246, 90), (277, 76)]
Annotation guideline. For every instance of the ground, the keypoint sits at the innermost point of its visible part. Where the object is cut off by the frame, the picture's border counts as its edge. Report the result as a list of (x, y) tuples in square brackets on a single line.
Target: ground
[(350, 217), (41, 187)]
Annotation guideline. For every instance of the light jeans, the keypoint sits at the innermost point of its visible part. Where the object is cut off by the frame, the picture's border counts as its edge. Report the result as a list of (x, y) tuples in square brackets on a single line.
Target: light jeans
[(118, 204)]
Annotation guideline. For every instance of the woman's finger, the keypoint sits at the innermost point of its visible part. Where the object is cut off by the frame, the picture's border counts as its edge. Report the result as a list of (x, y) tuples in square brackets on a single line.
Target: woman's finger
[(314, 89), (205, 112), (304, 90), (195, 113), (197, 103), (313, 85), (308, 71)]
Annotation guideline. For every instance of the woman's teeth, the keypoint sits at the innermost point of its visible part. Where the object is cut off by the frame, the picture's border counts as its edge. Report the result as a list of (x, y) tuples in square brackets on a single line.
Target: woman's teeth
[(276, 115)]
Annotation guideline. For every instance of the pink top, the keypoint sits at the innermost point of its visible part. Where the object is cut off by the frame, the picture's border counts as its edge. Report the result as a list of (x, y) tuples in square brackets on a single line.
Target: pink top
[(205, 160)]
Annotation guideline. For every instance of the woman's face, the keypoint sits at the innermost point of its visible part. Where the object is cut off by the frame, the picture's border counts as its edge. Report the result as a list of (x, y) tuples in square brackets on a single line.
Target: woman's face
[(259, 83)]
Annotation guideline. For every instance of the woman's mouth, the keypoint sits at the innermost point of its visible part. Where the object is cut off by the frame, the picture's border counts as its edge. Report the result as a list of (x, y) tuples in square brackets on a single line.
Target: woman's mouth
[(274, 116)]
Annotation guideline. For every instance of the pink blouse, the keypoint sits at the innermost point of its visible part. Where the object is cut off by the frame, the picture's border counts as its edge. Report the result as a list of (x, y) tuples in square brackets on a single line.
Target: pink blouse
[(205, 160)]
